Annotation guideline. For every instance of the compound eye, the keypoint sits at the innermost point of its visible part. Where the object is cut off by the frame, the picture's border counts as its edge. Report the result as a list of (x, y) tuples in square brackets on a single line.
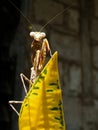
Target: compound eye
[(43, 34), (32, 34)]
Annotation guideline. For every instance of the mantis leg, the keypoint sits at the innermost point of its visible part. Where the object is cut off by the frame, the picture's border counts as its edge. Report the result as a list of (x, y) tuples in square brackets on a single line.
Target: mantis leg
[(19, 102), (14, 102), (26, 79), (36, 61), (46, 45), (44, 50)]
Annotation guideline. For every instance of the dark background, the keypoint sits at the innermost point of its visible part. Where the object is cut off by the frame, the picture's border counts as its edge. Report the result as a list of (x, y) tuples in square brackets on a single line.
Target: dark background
[(9, 19)]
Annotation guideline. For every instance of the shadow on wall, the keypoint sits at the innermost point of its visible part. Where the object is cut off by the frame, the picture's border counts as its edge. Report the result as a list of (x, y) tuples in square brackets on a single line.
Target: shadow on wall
[(8, 24)]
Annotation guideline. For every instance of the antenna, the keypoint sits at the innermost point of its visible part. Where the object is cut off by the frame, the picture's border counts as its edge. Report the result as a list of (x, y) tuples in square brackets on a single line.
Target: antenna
[(22, 14), (44, 24), (55, 17)]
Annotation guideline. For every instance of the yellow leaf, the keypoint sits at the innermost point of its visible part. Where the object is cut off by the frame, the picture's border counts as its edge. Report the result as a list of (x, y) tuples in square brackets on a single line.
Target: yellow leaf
[(42, 108)]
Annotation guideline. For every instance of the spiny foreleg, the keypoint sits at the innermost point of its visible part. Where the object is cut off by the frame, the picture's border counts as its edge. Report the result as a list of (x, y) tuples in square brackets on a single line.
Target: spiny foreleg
[(44, 50)]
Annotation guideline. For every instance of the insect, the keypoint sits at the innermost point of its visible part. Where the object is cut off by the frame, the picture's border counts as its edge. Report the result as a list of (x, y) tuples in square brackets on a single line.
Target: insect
[(40, 47)]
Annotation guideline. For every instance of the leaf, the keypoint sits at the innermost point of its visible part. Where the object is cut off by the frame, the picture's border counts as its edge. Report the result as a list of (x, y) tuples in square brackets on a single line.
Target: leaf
[(42, 108)]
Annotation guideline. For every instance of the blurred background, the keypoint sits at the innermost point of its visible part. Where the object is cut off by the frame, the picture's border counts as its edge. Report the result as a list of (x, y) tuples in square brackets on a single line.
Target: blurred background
[(73, 33)]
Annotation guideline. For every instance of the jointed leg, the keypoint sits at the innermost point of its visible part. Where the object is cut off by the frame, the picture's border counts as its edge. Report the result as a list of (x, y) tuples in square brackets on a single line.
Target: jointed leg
[(22, 79), (44, 50), (19, 102), (46, 44), (36, 61), (14, 102)]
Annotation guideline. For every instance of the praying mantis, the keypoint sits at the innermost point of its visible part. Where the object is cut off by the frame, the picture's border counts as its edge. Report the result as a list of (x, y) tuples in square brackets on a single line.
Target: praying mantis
[(40, 48), (41, 108)]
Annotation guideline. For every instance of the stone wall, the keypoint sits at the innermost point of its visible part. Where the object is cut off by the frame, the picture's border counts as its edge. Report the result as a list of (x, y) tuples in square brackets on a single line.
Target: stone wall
[(73, 33)]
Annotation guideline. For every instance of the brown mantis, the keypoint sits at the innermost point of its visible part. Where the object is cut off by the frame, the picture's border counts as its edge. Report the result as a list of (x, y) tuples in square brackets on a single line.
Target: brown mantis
[(40, 47)]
